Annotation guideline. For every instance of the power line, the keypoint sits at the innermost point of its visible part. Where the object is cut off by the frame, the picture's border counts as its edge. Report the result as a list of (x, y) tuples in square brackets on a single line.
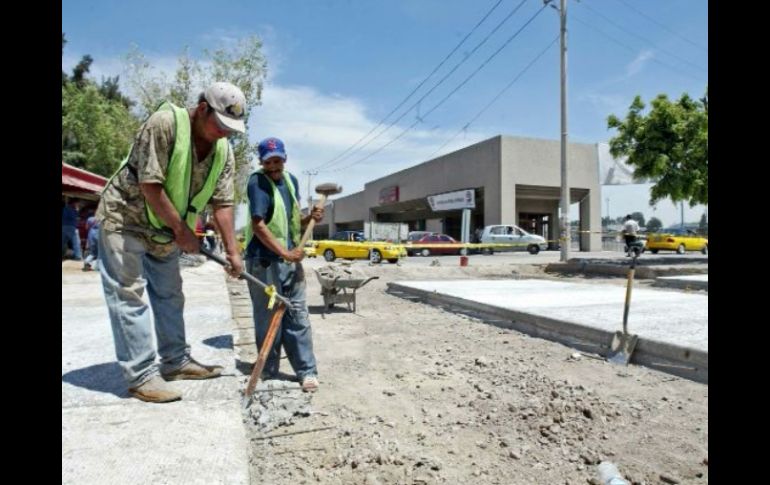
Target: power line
[(433, 88), (662, 26), (644, 39), (668, 66), (418, 86), (496, 97), (483, 64)]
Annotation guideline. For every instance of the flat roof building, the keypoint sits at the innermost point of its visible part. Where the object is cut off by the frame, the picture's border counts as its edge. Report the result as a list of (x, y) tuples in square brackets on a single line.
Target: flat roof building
[(514, 180)]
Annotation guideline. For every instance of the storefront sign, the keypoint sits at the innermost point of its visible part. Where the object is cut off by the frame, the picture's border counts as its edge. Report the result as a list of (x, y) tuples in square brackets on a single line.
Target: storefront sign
[(461, 199), (389, 195)]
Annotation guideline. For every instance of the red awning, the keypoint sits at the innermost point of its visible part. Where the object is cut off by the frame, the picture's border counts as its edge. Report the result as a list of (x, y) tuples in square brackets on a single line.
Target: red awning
[(77, 179)]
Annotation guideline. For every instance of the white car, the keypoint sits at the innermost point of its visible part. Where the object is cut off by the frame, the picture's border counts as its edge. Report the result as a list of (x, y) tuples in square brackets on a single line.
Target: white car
[(510, 234)]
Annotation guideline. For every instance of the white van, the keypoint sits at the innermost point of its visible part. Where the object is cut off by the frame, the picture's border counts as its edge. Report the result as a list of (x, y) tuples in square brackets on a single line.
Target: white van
[(511, 234)]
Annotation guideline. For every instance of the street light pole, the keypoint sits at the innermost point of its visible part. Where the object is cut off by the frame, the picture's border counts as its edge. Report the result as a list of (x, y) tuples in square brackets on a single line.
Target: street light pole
[(565, 229)]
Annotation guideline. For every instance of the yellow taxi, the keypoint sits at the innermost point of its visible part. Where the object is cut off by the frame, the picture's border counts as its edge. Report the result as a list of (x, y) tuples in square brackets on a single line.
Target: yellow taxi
[(679, 240), (310, 249), (352, 245)]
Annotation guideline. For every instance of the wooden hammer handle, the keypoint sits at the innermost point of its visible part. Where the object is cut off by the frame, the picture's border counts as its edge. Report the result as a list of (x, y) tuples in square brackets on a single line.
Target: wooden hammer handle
[(267, 345), (310, 225)]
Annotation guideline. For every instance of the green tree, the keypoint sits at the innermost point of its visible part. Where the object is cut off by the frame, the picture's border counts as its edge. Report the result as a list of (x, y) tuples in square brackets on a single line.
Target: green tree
[(703, 226), (97, 127), (654, 224), (242, 64), (81, 69), (669, 145), (64, 77), (96, 131), (110, 89), (638, 217)]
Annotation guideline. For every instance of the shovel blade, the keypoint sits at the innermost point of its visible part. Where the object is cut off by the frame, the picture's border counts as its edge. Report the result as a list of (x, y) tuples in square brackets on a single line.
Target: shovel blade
[(623, 345)]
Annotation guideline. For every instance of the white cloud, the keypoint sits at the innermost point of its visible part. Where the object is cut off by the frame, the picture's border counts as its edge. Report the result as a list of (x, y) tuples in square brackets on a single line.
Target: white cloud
[(317, 127), (637, 64)]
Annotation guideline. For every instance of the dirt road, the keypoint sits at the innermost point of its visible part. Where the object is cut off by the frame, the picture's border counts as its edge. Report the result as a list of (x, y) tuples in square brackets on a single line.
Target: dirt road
[(411, 393)]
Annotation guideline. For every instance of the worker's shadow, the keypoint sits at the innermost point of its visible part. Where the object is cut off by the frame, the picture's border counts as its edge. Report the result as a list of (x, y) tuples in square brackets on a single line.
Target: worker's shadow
[(322, 309), (100, 378), (220, 342), (245, 369)]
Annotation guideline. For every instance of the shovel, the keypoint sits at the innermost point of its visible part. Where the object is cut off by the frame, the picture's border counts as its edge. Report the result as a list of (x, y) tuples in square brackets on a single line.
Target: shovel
[(623, 343), (216, 258)]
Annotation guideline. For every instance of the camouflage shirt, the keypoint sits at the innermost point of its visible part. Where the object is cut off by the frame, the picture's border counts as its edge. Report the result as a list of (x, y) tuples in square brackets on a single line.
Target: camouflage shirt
[(122, 201)]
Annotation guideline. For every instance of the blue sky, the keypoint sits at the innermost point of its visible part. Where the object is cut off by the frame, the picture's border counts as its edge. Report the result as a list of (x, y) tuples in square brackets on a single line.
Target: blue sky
[(336, 68)]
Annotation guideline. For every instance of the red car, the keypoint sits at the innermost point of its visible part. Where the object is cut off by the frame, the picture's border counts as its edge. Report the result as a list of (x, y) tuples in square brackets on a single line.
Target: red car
[(438, 239)]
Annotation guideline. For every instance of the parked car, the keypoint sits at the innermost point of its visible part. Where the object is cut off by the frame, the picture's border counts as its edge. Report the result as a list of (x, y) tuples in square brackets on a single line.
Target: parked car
[(374, 251), (355, 236), (417, 235), (412, 238), (440, 239), (677, 239), (518, 238), (310, 249)]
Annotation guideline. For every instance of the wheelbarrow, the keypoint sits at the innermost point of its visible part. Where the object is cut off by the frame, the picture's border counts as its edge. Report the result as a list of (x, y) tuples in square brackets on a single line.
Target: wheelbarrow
[(337, 288)]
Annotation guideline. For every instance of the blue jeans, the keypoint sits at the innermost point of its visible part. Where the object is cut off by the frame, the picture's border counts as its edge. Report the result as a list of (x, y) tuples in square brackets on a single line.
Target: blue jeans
[(92, 259), (69, 234), (126, 269), (295, 333)]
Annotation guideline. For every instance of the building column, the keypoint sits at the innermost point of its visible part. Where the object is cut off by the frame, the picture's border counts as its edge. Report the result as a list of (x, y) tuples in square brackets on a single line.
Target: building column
[(591, 220)]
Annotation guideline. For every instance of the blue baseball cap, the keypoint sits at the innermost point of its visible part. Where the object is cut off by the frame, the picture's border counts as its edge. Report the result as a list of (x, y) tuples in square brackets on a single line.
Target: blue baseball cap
[(271, 147)]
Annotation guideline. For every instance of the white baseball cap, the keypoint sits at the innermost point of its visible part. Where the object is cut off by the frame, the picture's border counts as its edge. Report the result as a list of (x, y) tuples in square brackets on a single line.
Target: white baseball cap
[(229, 104)]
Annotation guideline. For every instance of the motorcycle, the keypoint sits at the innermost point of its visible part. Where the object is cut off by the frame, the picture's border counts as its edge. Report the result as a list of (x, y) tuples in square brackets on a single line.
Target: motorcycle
[(637, 247)]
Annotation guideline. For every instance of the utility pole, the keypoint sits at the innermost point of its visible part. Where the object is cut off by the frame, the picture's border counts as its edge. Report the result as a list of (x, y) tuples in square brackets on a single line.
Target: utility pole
[(681, 221), (309, 173), (566, 239)]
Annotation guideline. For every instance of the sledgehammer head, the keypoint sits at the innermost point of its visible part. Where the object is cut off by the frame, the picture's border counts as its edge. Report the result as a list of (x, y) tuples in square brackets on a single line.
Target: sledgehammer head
[(328, 189)]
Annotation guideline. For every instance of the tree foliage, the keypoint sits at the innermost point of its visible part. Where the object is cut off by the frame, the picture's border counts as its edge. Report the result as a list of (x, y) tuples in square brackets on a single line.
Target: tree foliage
[(96, 131), (97, 126), (242, 64), (669, 144), (638, 217), (703, 226), (654, 224)]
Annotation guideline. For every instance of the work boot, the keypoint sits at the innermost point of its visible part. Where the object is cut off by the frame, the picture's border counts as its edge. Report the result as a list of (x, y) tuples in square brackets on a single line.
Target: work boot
[(194, 370), (155, 390), (309, 384)]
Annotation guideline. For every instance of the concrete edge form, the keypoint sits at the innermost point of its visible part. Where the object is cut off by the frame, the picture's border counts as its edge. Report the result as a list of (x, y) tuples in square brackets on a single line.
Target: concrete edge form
[(672, 359), (643, 272), (683, 284)]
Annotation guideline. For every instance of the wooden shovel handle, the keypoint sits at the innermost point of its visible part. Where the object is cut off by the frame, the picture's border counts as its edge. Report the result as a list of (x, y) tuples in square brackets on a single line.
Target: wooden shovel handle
[(267, 345)]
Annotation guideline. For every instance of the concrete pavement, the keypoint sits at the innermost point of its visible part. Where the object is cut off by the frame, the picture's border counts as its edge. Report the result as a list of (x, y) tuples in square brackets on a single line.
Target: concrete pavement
[(672, 326), (108, 437)]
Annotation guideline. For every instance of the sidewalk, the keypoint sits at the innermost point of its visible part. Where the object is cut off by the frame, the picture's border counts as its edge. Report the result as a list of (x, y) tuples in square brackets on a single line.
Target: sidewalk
[(108, 437)]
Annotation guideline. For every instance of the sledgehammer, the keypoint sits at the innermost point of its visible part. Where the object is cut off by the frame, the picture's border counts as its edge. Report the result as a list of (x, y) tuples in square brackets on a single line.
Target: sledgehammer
[(325, 190)]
